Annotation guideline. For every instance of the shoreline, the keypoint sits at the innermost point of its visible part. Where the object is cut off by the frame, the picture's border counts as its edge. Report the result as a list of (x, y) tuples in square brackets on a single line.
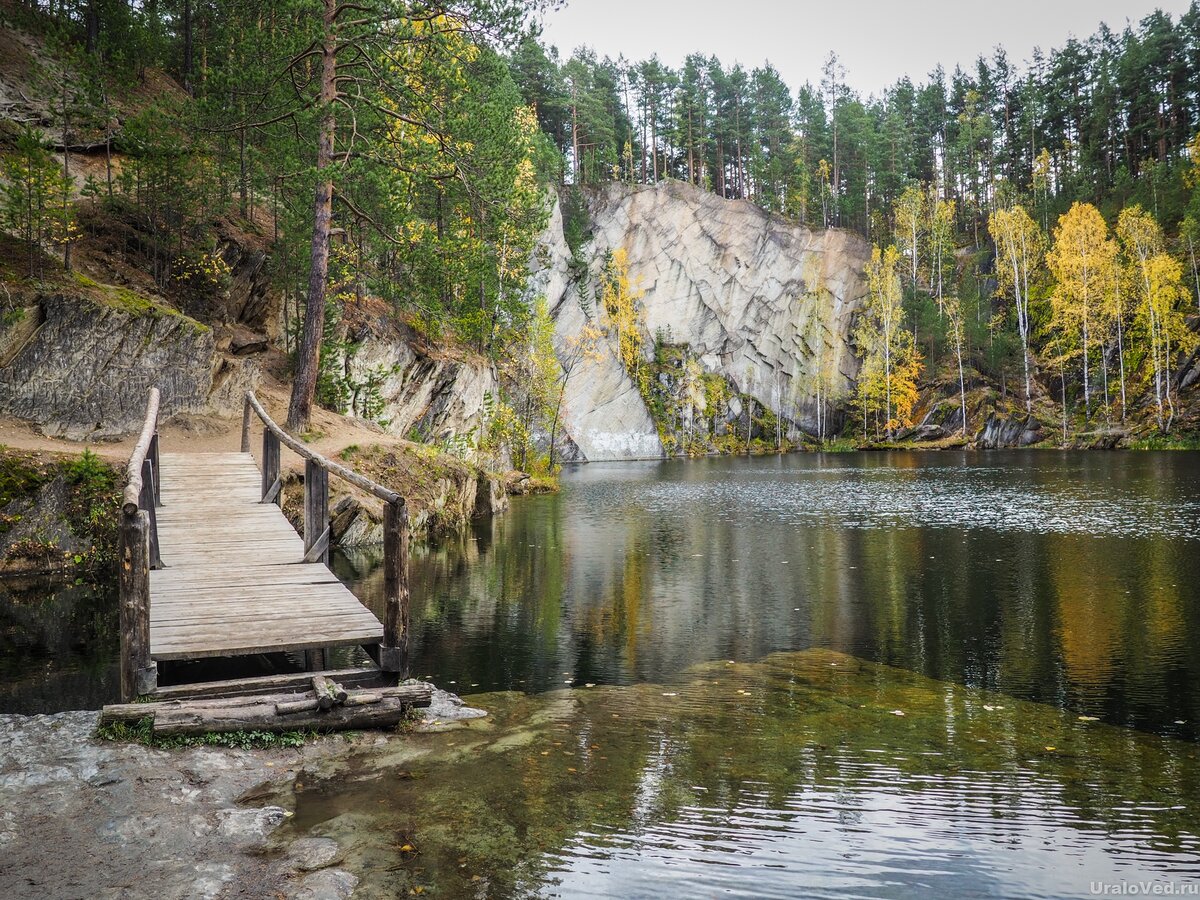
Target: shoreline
[(80, 815)]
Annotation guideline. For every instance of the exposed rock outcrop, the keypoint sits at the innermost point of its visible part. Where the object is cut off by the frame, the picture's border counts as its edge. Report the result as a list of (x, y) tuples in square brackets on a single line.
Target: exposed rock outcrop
[(443, 494), (85, 367), (436, 397), (1016, 430), (760, 301)]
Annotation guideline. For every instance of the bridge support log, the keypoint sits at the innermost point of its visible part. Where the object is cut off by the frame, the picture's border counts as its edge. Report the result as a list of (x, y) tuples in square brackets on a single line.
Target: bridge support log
[(379, 708), (393, 654), (316, 513), (139, 673), (271, 481)]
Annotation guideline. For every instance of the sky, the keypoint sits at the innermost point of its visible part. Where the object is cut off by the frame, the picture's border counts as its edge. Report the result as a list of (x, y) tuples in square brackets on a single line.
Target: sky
[(877, 42)]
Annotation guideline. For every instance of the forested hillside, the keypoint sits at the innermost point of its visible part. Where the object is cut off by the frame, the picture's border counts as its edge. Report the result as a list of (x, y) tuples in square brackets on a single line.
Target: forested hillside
[(375, 150), (1035, 223), (966, 175)]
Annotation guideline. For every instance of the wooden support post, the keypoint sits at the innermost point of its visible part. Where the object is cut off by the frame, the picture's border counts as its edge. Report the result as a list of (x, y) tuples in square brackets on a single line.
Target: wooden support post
[(139, 674), (316, 513), (146, 502), (246, 425), (393, 654), (271, 483), (316, 660), (152, 455)]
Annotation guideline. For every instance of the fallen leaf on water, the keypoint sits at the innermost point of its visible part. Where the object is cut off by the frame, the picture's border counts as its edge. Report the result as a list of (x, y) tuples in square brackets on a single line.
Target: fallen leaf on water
[(407, 848), (590, 684), (545, 753), (669, 694), (897, 712), (572, 770), (1051, 749), (1088, 719)]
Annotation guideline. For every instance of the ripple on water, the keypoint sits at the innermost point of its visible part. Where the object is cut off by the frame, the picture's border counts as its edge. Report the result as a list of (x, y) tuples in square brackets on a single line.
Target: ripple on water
[(790, 777), (1010, 499)]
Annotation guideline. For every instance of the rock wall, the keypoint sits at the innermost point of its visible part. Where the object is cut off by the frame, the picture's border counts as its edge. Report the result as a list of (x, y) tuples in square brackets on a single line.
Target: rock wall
[(433, 396), (602, 411), (758, 300), (84, 368)]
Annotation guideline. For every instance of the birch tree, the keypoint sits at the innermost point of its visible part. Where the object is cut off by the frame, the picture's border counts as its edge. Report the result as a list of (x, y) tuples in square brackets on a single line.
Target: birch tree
[(955, 327), (1019, 250), (1083, 261), (891, 362), (910, 222), (1156, 281)]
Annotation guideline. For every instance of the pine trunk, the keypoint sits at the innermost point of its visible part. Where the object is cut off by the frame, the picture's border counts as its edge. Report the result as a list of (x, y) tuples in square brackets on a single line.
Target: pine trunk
[(308, 357)]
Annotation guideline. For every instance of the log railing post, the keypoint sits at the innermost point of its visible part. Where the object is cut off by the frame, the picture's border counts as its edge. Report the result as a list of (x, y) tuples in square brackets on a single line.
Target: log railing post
[(271, 483), (139, 673), (393, 655), (246, 425), (316, 512), (152, 455), (147, 503)]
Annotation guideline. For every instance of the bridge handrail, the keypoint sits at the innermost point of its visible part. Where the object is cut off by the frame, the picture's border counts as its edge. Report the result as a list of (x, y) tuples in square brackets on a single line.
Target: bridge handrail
[(387, 495), (137, 532), (132, 498), (393, 652)]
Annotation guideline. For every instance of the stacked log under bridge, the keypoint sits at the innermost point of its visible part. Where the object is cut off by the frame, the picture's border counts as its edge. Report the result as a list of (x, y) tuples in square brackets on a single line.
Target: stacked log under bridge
[(269, 705), (210, 568)]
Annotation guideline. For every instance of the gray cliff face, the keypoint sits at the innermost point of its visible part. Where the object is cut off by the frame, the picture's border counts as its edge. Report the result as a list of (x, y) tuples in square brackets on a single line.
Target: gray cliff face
[(440, 398), (82, 369), (762, 302), (602, 411)]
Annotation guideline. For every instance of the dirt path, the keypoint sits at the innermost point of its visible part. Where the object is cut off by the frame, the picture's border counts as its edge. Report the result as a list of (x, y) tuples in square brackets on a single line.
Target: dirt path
[(329, 435)]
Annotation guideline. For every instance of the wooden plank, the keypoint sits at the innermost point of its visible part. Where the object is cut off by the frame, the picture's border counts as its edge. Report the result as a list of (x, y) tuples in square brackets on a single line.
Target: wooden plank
[(234, 583), (304, 598), (333, 625), (205, 650), (350, 678), (259, 618), (315, 630), (387, 713), (168, 579), (265, 606), (260, 593), (320, 687)]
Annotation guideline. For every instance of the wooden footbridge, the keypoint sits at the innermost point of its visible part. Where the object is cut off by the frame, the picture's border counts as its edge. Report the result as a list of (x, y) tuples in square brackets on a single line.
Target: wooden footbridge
[(211, 567)]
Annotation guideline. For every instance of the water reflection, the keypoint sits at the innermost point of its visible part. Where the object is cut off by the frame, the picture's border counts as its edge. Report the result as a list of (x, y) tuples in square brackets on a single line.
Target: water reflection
[(795, 776), (58, 646), (1064, 578)]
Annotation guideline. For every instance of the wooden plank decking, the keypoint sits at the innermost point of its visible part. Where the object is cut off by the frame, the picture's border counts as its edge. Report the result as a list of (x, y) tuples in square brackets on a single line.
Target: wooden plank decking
[(233, 582)]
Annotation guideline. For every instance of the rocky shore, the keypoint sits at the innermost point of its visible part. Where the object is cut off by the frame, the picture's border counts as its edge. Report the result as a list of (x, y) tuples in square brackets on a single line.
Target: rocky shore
[(84, 817)]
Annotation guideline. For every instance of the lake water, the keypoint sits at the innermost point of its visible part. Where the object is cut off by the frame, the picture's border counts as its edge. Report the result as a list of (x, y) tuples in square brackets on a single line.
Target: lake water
[(865, 675), (860, 675)]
